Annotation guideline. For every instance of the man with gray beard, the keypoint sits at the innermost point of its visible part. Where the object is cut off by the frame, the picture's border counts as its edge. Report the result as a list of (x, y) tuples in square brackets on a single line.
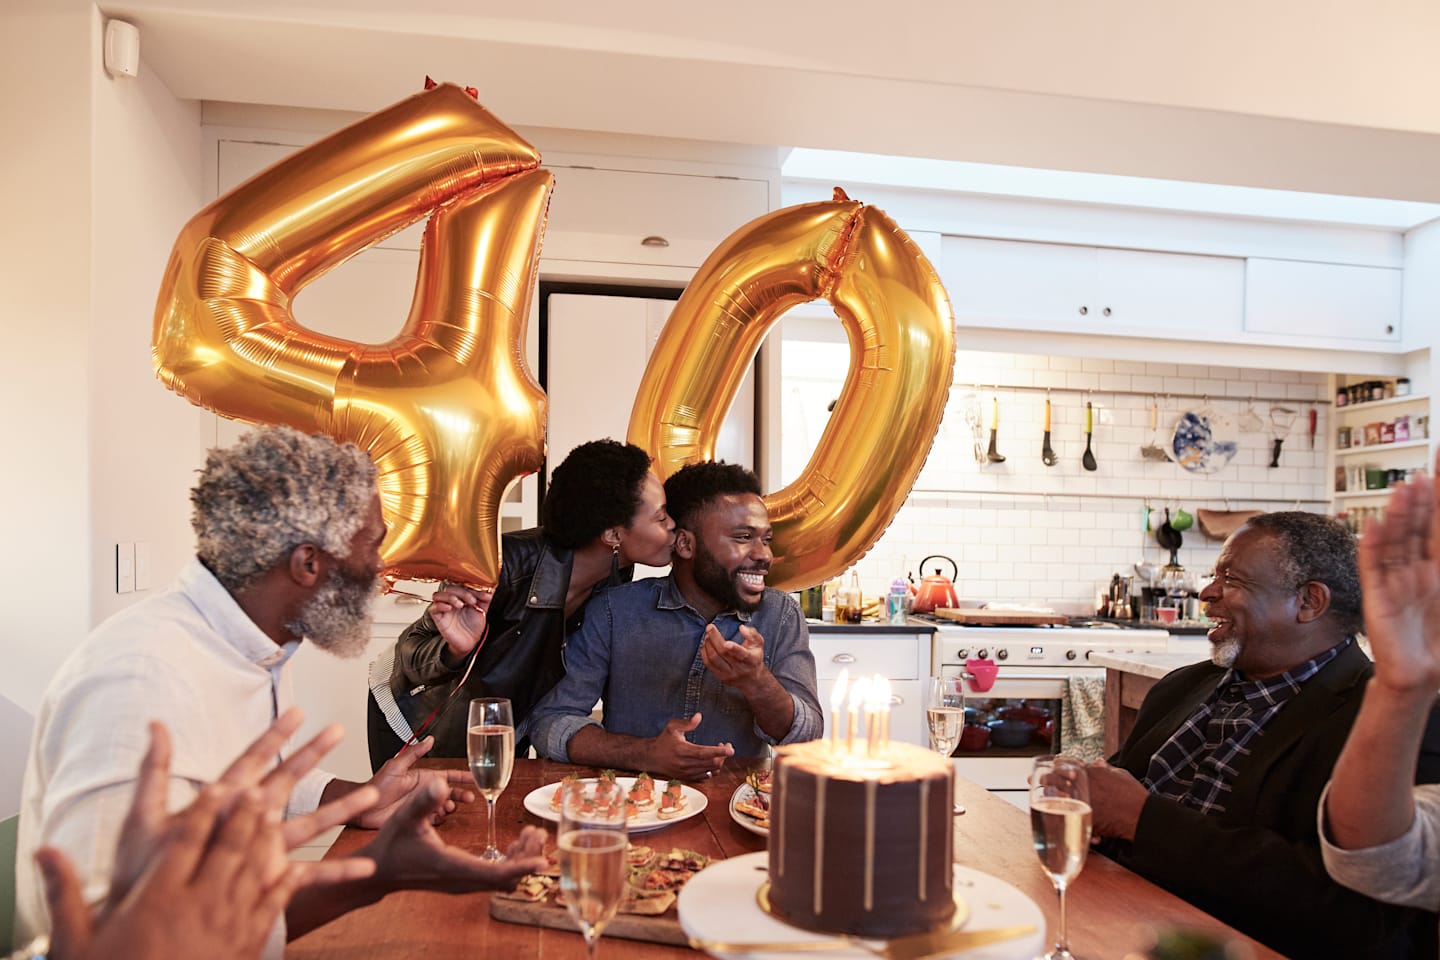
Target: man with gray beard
[(1213, 794), (288, 530)]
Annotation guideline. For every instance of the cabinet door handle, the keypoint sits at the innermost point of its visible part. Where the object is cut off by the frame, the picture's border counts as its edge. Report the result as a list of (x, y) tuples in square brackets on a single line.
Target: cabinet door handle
[(896, 700), (654, 241), (1084, 311), (1389, 328), (1106, 311), (843, 658)]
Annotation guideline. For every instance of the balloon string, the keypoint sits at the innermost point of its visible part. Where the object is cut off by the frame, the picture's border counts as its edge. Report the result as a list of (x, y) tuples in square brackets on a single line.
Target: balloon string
[(429, 721)]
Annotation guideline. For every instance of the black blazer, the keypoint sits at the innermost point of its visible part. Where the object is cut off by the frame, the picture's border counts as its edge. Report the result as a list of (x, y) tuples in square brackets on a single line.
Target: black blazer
[(1257, 866)]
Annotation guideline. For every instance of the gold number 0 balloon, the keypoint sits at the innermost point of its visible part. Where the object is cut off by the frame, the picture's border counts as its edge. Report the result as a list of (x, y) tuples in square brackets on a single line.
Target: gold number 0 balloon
[(447, 408), (902, 356)]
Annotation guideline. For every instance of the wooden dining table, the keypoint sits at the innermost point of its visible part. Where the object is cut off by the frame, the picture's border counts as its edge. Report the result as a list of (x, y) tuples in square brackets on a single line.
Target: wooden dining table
[(1112, 911)]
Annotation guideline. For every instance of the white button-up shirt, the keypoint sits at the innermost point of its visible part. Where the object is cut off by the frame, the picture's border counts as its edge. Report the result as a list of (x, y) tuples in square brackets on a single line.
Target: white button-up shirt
[(189, 657)]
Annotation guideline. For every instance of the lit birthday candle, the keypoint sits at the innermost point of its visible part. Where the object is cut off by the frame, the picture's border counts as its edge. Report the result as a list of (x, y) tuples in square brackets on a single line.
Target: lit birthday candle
[(859, 694), (837, 703)]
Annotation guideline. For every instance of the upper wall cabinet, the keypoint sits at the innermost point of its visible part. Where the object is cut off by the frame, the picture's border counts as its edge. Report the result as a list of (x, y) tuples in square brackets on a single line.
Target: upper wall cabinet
[(1323, 300), (625, 216), (1079, 289)]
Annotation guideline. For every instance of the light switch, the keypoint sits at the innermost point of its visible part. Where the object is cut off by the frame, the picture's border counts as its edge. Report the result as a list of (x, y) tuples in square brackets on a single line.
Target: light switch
[(143, 568), (124, 568)]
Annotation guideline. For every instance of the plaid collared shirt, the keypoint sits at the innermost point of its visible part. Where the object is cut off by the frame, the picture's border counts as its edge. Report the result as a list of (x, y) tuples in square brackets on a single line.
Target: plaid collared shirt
[(1198, 763)]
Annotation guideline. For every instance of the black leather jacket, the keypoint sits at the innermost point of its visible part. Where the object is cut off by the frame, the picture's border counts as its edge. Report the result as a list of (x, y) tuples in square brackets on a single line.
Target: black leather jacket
[(521, 656)]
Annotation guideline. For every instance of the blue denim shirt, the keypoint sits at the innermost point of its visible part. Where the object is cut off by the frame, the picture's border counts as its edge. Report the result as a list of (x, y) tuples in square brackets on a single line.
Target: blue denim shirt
[(639, 649)]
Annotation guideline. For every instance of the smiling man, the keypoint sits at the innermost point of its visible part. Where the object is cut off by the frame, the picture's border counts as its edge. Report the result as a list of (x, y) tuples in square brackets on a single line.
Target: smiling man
[(1213, 794), (694, 667)]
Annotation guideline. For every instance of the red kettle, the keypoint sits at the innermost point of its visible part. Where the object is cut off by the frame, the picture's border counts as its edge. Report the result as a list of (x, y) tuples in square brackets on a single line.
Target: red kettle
[(935, 590)]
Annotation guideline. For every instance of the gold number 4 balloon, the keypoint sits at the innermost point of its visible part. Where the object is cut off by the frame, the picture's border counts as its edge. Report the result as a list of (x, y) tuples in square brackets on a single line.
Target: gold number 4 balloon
[(447, 409), (902, 356)]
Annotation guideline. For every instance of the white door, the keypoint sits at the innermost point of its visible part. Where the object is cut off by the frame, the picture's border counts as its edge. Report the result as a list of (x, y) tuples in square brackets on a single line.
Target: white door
[(1322, 300), (1007, 283), (1169, 294)]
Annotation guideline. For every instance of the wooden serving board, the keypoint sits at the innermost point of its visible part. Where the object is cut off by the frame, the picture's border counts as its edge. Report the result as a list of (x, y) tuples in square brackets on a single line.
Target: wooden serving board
[(1000, 618), (628, 926)]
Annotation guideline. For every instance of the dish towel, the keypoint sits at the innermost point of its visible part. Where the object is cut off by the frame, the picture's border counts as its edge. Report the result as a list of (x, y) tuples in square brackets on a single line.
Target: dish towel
[(1082, 719)]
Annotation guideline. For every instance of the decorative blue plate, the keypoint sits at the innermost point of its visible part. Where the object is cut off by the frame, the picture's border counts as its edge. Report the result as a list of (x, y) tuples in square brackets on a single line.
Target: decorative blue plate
[(1204, 441)]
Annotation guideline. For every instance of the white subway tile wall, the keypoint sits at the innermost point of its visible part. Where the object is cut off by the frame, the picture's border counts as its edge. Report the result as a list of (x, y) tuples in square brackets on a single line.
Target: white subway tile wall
[(1014, 529)]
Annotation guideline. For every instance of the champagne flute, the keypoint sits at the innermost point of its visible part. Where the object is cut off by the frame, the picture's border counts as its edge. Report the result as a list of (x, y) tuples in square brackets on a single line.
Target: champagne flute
[(490, 745), (945, 713), (592, 856), (1060, 823)]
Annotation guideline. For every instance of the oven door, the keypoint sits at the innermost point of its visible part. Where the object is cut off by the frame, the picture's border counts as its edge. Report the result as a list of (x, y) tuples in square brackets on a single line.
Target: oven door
[(1012, 723)]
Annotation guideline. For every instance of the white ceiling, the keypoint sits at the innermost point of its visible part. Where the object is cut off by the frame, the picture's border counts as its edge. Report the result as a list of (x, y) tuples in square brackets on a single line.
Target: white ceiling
[(1326, 96)]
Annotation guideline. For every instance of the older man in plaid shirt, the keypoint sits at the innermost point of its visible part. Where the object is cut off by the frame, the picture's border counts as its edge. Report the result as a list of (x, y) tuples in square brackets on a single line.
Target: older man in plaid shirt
[(1213, 795)]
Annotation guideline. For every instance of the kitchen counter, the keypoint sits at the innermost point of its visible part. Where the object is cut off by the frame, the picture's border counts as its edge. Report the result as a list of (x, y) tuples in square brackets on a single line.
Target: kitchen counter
[(871, 627), (1128, 678)]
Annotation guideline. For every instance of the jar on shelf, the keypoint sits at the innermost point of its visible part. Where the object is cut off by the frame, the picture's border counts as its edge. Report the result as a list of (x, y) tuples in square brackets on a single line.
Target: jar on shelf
[(1402, 429), (1402, 387), (1342, 397), (1342, 438)]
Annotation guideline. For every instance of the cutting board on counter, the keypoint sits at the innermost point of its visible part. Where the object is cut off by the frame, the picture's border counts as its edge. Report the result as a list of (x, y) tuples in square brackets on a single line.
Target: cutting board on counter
[(979, 616), (662, 929)]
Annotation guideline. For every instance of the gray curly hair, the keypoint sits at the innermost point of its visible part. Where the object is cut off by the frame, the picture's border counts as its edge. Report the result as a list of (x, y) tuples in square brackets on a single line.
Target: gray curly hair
[(272, 491)]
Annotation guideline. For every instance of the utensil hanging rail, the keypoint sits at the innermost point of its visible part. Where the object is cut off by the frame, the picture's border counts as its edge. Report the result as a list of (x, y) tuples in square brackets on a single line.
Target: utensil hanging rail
[(1164, 395), (1082, 495)]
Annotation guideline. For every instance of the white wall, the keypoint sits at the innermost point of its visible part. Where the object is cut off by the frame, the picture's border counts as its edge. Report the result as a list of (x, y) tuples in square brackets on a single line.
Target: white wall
[(144, 440), (1016, 530), (45, 298), (99, 174)]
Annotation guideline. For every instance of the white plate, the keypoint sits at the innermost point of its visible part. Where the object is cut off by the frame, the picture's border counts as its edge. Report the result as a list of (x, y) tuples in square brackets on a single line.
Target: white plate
[(1203, 441), (719, 904), (537, 801), (745, 792)]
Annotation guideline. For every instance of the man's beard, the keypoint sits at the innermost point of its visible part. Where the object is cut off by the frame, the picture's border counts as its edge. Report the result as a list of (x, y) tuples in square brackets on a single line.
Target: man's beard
[(1224, 653), (718, 582), (337, 617)]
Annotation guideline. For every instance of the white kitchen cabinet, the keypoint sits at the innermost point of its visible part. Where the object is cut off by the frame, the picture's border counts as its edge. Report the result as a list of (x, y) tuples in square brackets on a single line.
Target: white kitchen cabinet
[(628, 216), (1083, 289), (901, 655), (1322, 300)]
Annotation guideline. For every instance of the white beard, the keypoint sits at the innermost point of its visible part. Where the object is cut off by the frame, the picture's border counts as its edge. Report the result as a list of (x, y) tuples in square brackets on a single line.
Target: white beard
[(1224, 653), (337, 617)]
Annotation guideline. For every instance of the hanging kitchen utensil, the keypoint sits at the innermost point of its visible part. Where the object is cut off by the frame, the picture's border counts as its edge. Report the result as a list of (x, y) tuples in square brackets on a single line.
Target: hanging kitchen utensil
[(977, 426), (1203, 440), (1169, 538), (1153, 450), (1047, 452), (992, 455), (1088, 460), (1314, 416), (1281, 420), (1250, 421)]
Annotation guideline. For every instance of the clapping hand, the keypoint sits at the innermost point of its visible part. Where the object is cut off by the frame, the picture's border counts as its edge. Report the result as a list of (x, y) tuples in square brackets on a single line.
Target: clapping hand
[(734, 664), (398, 780), (1401, 585)]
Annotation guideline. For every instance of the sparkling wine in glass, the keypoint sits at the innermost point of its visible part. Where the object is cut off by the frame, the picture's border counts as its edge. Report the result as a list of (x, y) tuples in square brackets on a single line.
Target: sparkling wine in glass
[(592, 856), (490, 745), (1060, 824), (945, 713)]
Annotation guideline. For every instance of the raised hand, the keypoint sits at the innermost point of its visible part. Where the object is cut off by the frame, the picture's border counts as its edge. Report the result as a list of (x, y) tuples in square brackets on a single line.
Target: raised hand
[(398, 780), (410, 855), (460, 616), (734, 664), (671, 755), (147, 821), (1401, 586)]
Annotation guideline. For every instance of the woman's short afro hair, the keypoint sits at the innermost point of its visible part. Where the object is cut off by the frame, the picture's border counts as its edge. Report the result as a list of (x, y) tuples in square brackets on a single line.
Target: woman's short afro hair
[(596, 487)]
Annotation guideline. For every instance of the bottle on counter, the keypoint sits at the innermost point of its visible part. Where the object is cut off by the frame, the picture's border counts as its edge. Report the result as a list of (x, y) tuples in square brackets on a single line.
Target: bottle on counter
[(897, 600), (850, 601)]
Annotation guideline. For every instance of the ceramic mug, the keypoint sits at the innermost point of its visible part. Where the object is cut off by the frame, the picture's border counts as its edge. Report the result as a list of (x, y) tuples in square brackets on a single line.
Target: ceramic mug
[(1182, 520)]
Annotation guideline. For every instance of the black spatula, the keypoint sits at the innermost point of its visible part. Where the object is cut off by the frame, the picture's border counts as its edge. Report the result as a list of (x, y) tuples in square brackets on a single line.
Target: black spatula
[(1088, 460)]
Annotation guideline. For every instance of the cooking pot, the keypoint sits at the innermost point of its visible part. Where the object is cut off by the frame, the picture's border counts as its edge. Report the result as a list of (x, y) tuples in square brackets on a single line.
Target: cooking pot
[(935, 590), (1012, 733), (974, 737)]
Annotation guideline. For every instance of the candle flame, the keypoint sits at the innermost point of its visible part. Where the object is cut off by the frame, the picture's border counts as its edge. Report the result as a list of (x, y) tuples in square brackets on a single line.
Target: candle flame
[(860, 693), (880, 690), (837, 696)]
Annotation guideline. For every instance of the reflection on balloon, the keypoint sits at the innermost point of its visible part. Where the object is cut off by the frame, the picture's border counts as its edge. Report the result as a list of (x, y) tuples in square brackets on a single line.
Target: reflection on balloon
[(902, 355), (447, 408)]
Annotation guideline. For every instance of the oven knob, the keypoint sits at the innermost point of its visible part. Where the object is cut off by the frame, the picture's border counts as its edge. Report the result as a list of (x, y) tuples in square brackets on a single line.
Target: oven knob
[(982, 654), (1002, 654), (1088, 653), (962, 653), (1070, 655)]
